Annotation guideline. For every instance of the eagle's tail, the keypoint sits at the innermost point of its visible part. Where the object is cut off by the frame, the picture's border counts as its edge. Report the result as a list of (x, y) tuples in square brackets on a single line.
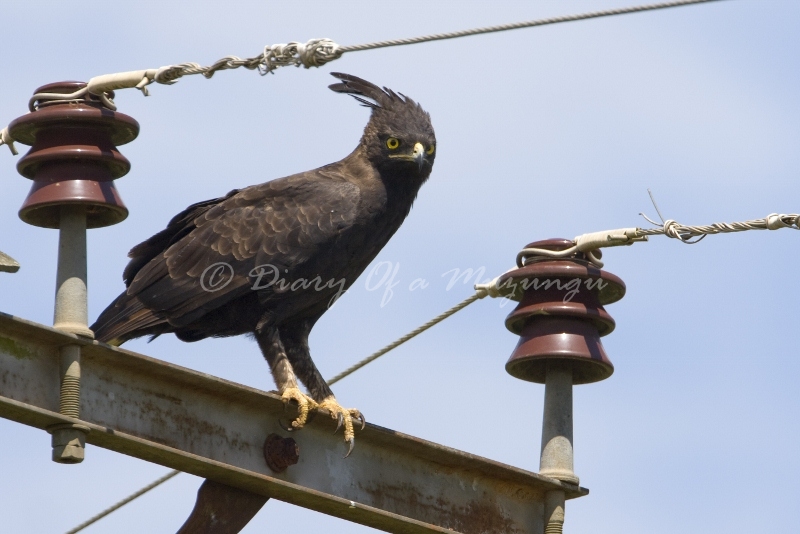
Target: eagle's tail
[(126, 318)]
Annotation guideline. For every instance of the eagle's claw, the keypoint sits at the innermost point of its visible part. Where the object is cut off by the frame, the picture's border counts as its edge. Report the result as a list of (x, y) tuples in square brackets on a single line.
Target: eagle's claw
[(344, 417), (339, 422), (360, 417), (304, 404), (286, 426)]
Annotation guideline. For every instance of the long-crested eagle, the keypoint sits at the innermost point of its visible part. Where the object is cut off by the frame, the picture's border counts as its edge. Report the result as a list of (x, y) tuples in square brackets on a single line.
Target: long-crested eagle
[(268, 260)]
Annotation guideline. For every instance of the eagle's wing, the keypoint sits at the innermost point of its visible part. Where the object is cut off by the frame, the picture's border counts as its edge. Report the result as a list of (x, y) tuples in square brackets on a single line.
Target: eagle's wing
[(205, 256)]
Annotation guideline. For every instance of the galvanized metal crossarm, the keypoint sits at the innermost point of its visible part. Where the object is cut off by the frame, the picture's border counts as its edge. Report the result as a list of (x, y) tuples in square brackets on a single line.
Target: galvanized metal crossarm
[(216, 429)]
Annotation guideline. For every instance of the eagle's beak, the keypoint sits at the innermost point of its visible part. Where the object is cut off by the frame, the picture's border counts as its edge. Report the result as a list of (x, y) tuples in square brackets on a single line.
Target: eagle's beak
[(419, 154)]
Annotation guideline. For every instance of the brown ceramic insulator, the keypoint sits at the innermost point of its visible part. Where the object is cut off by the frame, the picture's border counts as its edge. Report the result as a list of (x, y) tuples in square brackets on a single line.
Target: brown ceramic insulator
[(560, 315), (73, 157)]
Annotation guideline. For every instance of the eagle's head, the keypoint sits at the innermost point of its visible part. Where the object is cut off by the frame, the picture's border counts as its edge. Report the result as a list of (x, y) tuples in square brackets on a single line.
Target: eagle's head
[(398, 139)]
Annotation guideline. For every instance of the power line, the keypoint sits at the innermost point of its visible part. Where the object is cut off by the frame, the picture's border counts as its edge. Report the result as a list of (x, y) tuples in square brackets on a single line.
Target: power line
[(520, 25), (414, 333), (314, 53), (124, 501)]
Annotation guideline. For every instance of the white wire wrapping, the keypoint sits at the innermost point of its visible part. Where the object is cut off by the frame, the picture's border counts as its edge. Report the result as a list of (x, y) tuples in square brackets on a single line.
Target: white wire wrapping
[(6, 139), (313, 53), (587, 243), (122, 80), (671, 228), (59, 97)]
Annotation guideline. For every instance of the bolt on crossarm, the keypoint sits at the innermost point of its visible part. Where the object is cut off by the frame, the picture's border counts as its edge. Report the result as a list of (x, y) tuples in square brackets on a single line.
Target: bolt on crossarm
[(73, 162), (560, 319)]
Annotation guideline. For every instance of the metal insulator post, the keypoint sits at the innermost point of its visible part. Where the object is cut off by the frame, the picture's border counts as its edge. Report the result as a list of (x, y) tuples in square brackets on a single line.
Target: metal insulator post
[(71, 312), (554, 512), (560, 319), (556, 460), (71, 315), (73, 162)]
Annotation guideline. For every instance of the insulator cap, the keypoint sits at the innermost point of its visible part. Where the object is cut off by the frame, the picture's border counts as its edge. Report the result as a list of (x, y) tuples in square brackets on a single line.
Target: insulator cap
[(560, 316), (73, 158)]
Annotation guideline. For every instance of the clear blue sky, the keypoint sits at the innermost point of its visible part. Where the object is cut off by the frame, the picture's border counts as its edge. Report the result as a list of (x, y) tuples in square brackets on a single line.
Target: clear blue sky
[(546, 132)]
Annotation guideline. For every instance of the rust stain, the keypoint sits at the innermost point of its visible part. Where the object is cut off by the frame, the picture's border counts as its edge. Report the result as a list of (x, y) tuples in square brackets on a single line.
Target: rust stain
[(482, 517), (174, 400), (478, 516), (187, 427), (163, 411)]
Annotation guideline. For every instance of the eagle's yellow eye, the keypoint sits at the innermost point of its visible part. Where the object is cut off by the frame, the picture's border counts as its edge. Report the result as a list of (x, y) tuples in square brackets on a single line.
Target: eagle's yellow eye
[(431, 150), (392, 143)]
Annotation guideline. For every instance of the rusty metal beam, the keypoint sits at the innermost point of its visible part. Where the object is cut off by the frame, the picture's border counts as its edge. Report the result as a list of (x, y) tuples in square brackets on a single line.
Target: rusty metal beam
[(216, 429)]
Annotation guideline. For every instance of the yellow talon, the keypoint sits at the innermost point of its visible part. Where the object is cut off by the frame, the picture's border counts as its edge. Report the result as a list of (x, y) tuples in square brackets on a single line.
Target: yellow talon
[(344, 417), (304, 404)]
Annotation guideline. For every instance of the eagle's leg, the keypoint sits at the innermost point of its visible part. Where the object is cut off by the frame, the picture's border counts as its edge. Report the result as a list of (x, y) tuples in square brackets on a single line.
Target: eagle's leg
[(272, 347), (296, 342)]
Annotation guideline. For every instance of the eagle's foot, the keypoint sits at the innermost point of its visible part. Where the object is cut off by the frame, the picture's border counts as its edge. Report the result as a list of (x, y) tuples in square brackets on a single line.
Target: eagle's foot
[(344, 417), (304, 404)]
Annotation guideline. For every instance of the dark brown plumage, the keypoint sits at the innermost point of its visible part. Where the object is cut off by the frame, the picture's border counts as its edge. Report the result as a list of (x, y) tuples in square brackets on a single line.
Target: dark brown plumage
[(318, 229)]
